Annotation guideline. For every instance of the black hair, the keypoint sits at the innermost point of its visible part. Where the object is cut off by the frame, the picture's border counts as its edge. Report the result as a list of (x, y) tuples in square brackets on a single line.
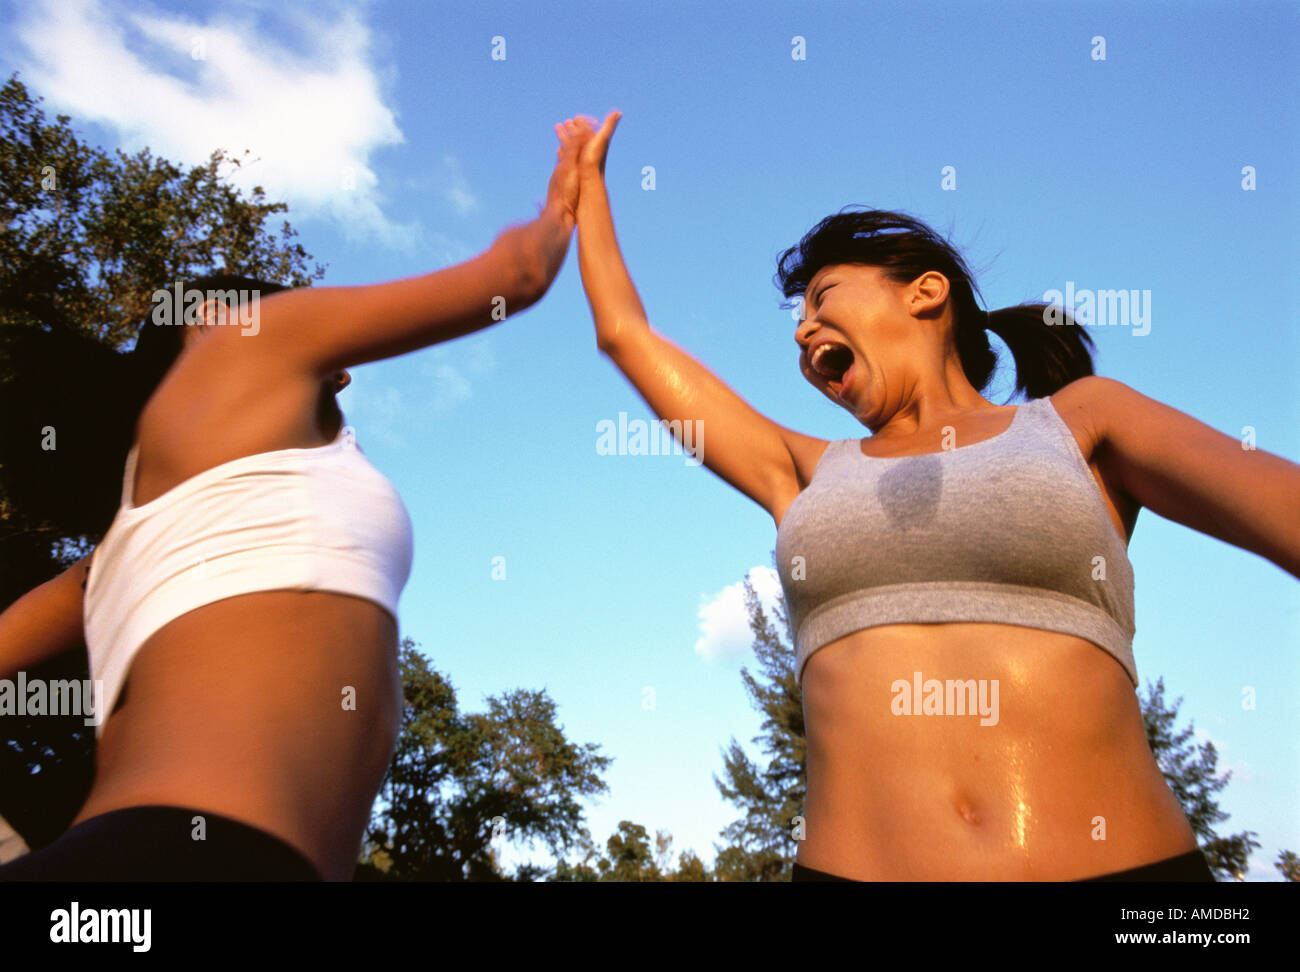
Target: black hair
[(1047, 356), (71, 403)]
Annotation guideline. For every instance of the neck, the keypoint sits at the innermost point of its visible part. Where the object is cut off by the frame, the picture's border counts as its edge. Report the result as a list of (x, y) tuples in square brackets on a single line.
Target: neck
[(927, 401)]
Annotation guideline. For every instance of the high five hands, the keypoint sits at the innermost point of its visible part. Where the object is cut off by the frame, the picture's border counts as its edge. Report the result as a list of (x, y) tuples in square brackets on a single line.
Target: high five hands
[(580, 156)]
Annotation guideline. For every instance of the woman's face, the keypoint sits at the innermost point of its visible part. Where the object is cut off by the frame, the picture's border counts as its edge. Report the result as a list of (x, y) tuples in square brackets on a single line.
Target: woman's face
[(860, 340)]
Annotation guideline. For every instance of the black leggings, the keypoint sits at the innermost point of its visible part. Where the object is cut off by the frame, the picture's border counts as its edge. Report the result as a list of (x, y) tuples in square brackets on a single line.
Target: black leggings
[(159, 844), (1191, 866)]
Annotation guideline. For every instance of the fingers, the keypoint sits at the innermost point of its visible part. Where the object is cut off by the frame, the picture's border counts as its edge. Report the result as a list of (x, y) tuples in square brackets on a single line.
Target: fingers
[(572, 130), (578, 125), (575, 132), (567, 131)]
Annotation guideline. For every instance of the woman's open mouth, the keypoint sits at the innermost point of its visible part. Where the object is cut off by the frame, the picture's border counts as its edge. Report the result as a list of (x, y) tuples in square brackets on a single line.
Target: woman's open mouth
[(833, 361)]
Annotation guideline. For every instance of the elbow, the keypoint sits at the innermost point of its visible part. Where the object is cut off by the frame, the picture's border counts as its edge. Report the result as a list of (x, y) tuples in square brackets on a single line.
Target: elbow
[(521, 279), (606, 344), (528, 286), (612, 343), (620, 337)]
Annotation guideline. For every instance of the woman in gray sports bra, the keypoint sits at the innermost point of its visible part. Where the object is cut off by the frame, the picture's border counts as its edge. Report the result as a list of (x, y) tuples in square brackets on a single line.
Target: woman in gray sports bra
[(957, 583)]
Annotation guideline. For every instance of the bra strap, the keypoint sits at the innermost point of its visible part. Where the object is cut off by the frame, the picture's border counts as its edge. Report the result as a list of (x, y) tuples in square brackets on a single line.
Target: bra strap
[(128, 474)]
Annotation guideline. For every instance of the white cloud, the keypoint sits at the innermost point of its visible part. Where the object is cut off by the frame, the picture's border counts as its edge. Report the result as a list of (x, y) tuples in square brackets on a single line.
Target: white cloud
[(375, 411), (311, 114), (442, 379), (448, 386), (725, 634), (1242, 771), (457, 190)]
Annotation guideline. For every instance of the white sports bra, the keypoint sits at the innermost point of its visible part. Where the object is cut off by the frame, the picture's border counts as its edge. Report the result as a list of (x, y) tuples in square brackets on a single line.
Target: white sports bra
[(318, 519)]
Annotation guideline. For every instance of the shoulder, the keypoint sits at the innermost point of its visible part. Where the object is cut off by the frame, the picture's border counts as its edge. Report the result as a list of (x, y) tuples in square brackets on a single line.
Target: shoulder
[(1089, 405), (1091, 390)]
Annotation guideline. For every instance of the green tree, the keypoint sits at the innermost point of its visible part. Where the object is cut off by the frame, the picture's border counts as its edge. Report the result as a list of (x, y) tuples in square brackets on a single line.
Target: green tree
[(760, 844), (1190, 773), (457, 780), (630, 857), (691, 868), (85, 238), (1289, 864), (589, 866)]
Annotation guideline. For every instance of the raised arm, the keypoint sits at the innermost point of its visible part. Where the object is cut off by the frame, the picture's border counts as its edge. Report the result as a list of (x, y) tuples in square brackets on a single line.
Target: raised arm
[(324, 329), (767, 462), (44, 622)]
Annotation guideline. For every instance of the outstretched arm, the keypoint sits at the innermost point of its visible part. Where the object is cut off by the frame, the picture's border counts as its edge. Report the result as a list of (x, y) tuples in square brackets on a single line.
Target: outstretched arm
[(1192, 474), (767, 462), (321, 330)]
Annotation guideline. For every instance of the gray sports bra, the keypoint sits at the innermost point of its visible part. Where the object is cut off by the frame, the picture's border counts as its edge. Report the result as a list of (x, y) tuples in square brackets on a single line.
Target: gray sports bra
[(1011, 530)]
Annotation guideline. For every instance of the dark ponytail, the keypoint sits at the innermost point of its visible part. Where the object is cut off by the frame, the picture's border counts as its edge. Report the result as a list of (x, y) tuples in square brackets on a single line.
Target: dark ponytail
[(1047, 356), (62, 387)]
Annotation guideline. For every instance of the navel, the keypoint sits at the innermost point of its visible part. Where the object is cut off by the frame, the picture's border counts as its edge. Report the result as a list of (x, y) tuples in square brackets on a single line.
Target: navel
[(966, 811)]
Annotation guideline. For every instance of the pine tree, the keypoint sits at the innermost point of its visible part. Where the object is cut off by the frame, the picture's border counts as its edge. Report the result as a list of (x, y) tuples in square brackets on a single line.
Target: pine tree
[(761, 844), (1190, 773)]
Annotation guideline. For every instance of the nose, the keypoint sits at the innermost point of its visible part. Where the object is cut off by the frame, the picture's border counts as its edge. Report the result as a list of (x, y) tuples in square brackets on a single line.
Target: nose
[(804, 332), (341, 380)]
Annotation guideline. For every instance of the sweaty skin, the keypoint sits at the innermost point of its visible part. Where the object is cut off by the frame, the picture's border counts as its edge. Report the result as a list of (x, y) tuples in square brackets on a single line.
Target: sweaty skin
[(935, 798)]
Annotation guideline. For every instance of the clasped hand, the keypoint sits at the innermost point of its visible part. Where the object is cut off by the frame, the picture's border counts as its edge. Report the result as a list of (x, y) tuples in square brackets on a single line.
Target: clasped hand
[(580, 157)]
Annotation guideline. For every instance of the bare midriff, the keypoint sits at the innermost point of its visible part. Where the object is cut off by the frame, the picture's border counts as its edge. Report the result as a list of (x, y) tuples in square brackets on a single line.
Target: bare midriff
[(278, 709), (1062, 787)]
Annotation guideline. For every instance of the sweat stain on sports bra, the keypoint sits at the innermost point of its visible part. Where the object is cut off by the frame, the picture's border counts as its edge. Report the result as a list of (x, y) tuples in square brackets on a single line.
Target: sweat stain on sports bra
[(1008, 530)]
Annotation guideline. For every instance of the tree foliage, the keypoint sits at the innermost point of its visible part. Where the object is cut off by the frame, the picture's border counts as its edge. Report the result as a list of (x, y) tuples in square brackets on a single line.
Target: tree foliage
[(86, 236), (1190, 773), (629, 857), (760, 845), (459, 780)]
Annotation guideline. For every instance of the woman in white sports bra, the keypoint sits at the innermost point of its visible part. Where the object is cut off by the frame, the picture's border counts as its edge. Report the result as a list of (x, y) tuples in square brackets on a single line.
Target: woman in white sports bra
[(957, 583), (240, 611)]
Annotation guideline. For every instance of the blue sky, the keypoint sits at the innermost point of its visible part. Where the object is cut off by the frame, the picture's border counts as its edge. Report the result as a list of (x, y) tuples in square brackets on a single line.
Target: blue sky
[(402, 146)]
